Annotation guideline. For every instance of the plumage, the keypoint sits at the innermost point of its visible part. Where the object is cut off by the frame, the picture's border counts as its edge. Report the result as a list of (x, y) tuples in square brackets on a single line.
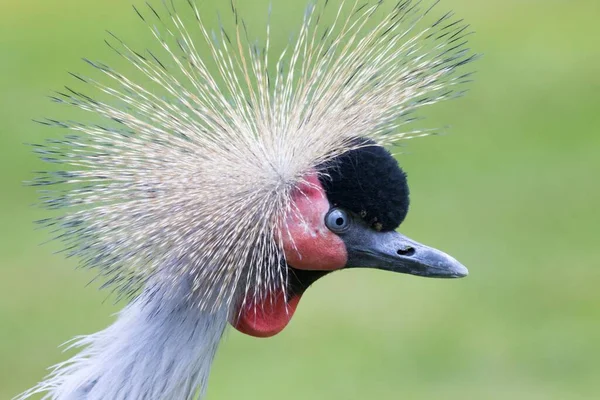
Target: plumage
[(181, 199), (368, 182)]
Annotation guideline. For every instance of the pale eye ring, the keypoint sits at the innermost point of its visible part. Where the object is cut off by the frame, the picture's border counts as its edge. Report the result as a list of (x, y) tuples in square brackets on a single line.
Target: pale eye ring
[(337, 220)]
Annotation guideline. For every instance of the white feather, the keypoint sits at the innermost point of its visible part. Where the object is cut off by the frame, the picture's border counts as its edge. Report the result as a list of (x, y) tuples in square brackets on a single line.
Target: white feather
[(160, 348)]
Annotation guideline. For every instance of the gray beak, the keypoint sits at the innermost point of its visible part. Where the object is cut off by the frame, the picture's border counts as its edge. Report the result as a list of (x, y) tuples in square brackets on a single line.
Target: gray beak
[(392, 251)]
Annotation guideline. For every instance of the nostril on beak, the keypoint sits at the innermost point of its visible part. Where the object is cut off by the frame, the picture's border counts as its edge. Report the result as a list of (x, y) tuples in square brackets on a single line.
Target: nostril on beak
[(406, 252)]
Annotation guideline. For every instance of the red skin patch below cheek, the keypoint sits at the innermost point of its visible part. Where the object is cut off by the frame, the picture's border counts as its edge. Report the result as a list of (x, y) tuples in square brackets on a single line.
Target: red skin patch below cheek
[(269, 317), (308, 244)]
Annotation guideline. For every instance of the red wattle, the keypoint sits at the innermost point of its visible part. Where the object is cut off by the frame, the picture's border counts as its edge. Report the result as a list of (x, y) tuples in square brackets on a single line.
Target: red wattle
[(268, 317)]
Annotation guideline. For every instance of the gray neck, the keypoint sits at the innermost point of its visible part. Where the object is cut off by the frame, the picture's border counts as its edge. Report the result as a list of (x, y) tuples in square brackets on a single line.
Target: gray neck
[(158, 349)]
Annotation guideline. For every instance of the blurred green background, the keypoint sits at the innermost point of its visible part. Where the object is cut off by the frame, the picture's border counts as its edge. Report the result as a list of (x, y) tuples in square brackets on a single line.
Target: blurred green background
[(512, 192)]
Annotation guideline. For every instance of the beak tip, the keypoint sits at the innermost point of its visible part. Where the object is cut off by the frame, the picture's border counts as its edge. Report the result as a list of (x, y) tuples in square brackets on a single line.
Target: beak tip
[(462, 272), (449, 267), (457, 270)]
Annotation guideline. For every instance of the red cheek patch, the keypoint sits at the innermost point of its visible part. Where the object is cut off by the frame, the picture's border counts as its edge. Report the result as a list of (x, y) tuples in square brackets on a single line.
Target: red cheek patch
[(307, 242)]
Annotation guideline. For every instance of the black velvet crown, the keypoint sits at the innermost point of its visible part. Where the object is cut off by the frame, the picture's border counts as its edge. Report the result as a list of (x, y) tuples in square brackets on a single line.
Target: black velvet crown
[(369, 182)]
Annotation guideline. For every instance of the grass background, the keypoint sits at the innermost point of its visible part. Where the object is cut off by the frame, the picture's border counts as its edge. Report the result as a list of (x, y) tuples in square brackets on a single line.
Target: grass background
[(512, 192)]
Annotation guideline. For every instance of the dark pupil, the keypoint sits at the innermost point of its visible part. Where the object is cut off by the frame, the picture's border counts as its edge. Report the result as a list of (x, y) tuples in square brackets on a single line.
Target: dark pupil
[(339, 221)]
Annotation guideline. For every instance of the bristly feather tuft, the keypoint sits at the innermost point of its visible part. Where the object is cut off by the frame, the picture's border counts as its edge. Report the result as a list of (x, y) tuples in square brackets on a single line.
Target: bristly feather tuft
[(369, 182), (196, 161)]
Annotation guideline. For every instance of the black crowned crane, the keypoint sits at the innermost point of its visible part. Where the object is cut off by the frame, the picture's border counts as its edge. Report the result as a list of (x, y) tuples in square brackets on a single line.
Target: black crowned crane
[(225, 181)]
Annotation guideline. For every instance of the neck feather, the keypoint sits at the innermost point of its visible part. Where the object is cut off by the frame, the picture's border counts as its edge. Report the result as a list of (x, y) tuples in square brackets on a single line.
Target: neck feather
[(159, 348)]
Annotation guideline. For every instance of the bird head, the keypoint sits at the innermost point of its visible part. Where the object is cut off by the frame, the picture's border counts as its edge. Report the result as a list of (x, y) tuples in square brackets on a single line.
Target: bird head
[(218, 185), (347, 214)]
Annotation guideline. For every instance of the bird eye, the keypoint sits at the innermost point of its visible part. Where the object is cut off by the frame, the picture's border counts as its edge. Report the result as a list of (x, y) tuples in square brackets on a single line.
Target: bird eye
[(337, 220)]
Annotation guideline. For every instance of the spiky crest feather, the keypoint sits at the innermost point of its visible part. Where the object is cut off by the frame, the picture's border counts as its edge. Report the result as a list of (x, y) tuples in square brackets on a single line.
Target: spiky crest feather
[(205, 171)]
